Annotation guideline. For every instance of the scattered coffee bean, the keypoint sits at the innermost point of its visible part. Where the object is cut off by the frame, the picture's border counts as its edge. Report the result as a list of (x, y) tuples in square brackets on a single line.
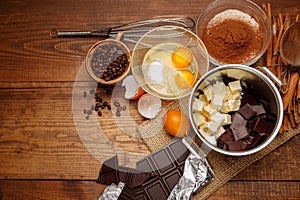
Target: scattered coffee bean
[(105, 104), (84, 94), (118, 114), (87, 117), (102, 106), (108, 107), (97, 105), (84, 111), (89, 112), (92, 91), (119, 109), (92, 107), (99, 113), (124, 108), (117, 104)]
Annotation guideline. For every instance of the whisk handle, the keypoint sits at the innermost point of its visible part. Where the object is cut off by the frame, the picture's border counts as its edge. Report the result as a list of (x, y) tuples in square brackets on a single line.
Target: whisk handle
[(55, 33)]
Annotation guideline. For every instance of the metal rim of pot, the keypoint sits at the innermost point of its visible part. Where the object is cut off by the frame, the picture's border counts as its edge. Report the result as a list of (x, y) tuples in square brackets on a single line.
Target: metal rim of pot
[(270, 85)]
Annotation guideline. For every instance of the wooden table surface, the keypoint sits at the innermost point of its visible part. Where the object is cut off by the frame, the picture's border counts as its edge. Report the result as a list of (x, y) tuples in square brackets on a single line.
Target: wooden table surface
[(42, 156)]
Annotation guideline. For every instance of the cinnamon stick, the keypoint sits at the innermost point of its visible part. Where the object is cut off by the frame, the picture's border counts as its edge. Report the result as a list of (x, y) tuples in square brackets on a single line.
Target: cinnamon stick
[(298, 96), (298, 91), (292, 120), (285, 123), (288, 96), (270, 48)]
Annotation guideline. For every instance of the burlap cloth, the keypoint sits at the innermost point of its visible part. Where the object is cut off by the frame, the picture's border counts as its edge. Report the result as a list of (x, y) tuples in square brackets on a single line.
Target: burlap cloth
[(225, 167)]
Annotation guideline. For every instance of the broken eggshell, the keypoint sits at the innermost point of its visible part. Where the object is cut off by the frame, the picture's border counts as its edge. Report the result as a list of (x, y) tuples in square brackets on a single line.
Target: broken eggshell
[(132, 90)]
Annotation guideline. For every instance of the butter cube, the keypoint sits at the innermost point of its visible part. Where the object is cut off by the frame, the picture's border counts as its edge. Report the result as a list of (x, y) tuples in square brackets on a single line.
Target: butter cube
[(219, 88), (218, 117), (198, 105), (235, 86), (199, 119), (230, 105), (227, 119), (219, 132), (211, 127), (217, 101), (208, 111), (211, 139), (208, 92), (235, 104)]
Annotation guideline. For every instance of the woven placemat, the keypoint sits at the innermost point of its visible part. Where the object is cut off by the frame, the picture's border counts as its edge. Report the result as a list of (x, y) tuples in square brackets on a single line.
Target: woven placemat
[(225, 167)]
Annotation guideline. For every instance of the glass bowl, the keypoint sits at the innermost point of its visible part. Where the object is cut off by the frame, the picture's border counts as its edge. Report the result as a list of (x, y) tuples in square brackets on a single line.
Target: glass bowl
[(108, 61), (251, 14), (161, 72)]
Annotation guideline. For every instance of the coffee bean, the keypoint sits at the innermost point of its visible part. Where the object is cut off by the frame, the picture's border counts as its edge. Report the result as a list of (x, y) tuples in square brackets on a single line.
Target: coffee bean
[(117, 104), (109, 107), (124, 108), (99, 113), (119, 109), (105, 104), (87, 117), (118, 114), (89, 112), (84, 94), (92, 91), (109, 61), (84, 111)]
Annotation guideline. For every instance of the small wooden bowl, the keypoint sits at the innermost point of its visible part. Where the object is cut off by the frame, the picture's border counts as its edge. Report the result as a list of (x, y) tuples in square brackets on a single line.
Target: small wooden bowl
[(90, 55)]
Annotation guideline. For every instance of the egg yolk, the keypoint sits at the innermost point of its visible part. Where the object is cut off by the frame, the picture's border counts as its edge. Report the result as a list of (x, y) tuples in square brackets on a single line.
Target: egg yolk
[(182, 57), (184, 79)]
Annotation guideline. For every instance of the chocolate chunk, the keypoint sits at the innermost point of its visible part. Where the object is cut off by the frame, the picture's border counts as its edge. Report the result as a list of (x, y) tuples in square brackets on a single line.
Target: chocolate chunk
[(237, 145), (270, 129), (238, 126), (238, 120), (109, 172), (247, 111), (260, 110), (240, 132), (261, 126), (248, 99), (252, 122), (227, 136)]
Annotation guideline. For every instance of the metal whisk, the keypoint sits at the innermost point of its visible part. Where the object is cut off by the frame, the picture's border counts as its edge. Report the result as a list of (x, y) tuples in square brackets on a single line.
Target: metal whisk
[(132, 29)]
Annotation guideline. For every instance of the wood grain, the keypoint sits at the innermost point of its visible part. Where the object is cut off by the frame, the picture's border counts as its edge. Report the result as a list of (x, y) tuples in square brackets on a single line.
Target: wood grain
[(43, 155), (74, 190), (29, 52)]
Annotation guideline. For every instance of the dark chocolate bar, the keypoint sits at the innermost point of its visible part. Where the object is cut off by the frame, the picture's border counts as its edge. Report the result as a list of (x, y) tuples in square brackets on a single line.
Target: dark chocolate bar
[(109, 172), (112, 173), (168, 162)]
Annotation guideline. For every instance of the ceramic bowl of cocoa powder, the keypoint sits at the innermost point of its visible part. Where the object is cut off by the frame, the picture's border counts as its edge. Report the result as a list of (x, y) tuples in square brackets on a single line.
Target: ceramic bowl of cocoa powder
[(234, 31)]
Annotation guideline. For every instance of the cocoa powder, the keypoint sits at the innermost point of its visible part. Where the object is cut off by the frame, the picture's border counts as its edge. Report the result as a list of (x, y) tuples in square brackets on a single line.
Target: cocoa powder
[(232, 41)]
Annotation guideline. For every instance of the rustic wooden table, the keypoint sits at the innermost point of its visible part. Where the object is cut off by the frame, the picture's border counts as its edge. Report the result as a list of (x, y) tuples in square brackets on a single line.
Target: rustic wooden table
[(41, 153)]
